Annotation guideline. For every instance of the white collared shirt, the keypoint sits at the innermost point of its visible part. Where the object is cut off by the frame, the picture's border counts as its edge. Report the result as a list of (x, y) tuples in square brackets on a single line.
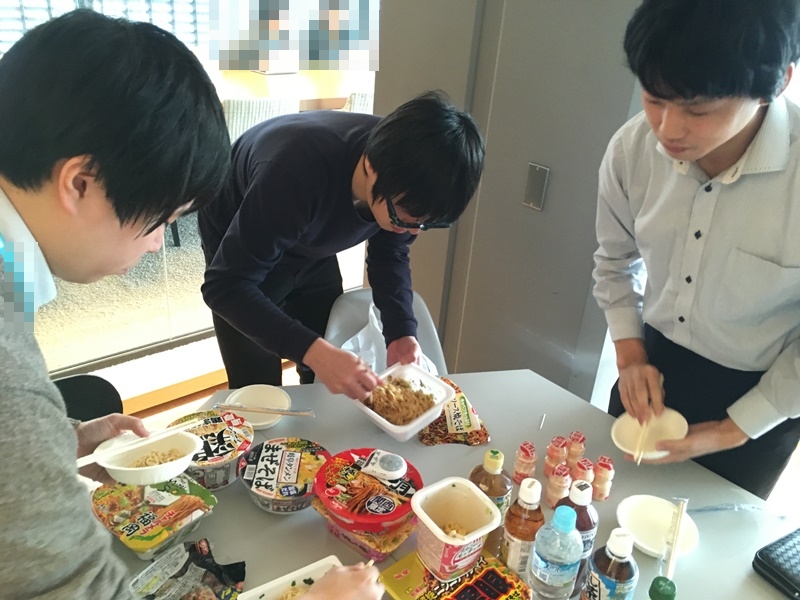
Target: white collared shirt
[(722, 256), (33, 283)]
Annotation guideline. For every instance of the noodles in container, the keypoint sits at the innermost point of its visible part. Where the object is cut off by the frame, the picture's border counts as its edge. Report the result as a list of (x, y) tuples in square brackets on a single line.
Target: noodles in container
[(226, 436), (279, 474), (359, 502), (149, 519)]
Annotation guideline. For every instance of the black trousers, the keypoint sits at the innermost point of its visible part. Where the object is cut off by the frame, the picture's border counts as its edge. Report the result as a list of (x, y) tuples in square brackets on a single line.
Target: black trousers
[(702, 390), (304, 290)]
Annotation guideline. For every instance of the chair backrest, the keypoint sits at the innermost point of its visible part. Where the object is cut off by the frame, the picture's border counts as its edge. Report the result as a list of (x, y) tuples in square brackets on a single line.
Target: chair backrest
[(88, 397), (349, 315), (242, 114)]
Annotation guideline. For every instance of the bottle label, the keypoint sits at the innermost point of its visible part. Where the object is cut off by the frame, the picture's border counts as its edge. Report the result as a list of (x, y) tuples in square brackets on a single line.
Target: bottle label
[(516, 553), (601, 587), (502, 503), (553, 573), (588, 541)]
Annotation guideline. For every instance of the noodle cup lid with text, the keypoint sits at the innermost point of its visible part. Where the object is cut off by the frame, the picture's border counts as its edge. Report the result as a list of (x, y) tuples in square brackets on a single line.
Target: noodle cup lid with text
[(362, 503), (225, 436)]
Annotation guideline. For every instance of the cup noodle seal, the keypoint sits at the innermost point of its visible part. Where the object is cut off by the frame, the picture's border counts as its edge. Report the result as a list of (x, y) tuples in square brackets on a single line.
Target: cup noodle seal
[(226, 436), (361, 503), (279, 474)]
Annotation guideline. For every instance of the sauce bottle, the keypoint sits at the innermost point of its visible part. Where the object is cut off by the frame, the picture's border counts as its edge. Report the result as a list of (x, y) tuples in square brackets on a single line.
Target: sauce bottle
[(556, 455), (523, 521), (612, 571), (603, 474), (525, 463), (557, 486), (580, 500), (576, 448), (497, 484)]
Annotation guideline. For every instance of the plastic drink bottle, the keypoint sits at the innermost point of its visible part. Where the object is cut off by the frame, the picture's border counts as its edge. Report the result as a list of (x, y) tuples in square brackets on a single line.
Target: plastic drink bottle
[(580, 499), (613, 573), (497, 484), (525, 462), (556, 557), (523, 521)]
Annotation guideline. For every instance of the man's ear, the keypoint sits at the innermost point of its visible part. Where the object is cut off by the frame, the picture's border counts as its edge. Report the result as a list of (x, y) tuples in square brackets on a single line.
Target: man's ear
[(74, 183), (787, 78)]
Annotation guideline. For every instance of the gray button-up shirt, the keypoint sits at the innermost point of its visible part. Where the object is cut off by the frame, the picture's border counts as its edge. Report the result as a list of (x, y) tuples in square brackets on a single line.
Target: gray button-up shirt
[(714, 265)]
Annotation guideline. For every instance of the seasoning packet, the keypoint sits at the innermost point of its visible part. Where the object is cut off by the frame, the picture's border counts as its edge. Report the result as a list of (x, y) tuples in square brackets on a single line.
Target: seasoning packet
[(458, 424), (189, 572)]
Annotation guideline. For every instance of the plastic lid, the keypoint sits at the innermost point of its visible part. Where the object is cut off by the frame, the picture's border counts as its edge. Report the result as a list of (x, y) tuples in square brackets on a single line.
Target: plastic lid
[(662, 589), (620, 542), (581, 493), (576, 437), (564, 518), (530, 491), (493, 461)]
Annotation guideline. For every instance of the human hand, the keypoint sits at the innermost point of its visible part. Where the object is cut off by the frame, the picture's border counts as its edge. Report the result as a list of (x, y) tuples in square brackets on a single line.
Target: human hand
[(342, 372), (404, 350), (92, 433), (356, 582), (703, 438), (640, 383)]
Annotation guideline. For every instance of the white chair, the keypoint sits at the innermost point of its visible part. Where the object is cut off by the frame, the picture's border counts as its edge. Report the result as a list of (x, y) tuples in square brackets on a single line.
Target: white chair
[(242, 114), (349, 315)]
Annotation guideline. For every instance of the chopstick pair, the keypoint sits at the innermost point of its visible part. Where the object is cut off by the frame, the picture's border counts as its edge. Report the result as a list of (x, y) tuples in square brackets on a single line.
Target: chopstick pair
[(639, 453), (289, 412), (111, 452)]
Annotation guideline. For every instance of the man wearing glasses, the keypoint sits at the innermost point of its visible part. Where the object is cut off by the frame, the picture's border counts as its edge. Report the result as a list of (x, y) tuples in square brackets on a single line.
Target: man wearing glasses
[(307, 186)]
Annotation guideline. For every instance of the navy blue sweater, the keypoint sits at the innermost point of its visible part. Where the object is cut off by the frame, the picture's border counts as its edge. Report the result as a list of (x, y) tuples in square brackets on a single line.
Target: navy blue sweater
[(290, 200)]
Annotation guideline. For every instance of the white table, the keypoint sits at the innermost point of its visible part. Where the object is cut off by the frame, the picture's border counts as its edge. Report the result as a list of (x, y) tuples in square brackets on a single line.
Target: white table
[(511, 404)]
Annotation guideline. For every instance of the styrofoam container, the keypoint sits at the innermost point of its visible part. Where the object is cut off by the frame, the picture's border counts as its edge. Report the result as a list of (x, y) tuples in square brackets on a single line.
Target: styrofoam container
[(419, 379), (274, 590), (459, 501), (259, 396), (118, 466)]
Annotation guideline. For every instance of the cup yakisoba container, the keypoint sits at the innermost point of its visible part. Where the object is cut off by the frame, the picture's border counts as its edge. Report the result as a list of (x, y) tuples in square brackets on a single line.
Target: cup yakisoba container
[(459, 502), (279, 474), (225, 437), (361, 503)]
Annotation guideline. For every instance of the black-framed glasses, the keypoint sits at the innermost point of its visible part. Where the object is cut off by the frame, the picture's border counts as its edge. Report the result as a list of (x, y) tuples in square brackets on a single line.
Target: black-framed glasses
[(397, 222)]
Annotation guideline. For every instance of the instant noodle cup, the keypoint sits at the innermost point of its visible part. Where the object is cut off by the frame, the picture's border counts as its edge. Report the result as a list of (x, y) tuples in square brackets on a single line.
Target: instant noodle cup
[(226, 436), (361, 503), (279, 474), (448, 506), (150, 519)]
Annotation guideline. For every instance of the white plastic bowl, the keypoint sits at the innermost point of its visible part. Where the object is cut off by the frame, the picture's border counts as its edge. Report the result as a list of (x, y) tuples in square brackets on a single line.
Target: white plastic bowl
[(649, 519), (118, 465), (259, 396), (276, 588), (670, 425), (419, 379)]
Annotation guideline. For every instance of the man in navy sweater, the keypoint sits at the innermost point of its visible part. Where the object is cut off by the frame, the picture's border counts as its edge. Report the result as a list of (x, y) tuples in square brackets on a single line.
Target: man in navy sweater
[(307, 186)]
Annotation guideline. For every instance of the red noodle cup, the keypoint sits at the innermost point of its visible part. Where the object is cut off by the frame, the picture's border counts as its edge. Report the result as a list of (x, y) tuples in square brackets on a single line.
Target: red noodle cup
[(225, 436), (361, 503), (458, 501)]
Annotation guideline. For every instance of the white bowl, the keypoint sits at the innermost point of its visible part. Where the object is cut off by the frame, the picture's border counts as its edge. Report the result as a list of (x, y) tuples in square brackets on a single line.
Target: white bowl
[(118, 465), (670, 425), (259, 396), (276, 588), (649, 519), (419, 379)]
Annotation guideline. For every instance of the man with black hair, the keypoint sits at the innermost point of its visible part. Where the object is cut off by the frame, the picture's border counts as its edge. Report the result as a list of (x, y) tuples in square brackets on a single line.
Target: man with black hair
[(108, 131), (307, 186), (702, 191)]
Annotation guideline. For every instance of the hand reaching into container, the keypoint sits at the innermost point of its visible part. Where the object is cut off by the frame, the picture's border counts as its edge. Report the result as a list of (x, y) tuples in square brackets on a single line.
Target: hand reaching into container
[(93, 433), (342, 372), (357, 582)]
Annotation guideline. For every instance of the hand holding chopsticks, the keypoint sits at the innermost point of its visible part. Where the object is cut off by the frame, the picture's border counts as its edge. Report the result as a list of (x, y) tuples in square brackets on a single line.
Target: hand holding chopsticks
[(640, 444)]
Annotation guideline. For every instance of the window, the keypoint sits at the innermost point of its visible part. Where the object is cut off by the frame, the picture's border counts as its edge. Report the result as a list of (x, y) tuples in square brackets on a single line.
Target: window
[(187, 19)]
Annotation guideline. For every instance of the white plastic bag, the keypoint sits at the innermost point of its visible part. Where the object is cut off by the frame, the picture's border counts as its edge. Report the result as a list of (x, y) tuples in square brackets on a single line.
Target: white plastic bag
[(369, 345)]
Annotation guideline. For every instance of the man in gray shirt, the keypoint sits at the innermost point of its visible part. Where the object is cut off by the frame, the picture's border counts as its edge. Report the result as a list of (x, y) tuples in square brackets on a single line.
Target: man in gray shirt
[(701, 190), (108, 131)]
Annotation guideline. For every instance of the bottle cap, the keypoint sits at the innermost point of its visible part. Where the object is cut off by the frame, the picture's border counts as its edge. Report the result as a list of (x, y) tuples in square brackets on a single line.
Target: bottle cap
[(620, 542), (530, 491), (581, 493), (493, 461), (527, 449), (559, 442), (564, 518), (576, 437), (662, 589)]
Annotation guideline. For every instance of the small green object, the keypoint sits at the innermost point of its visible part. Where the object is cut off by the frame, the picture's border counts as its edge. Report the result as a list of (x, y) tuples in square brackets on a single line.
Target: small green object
[(662, 589)]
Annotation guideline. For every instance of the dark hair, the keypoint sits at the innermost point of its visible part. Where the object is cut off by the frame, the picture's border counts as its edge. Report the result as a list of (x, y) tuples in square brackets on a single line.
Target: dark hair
[(713, 48), (130, 96), (430, 151)]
